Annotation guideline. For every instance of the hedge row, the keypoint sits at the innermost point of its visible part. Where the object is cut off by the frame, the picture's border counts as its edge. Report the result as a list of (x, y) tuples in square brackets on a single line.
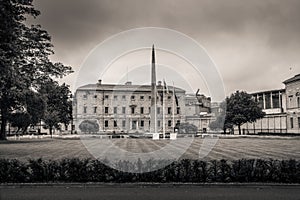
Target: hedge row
[(196, 171)]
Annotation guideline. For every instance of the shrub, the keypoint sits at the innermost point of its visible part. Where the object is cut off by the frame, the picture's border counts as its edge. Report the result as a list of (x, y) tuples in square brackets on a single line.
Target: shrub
[(89, 126), (13, 171), (288, 172), (38, 170), (242, 170), (87, 170), (224, 171), (75, 170)]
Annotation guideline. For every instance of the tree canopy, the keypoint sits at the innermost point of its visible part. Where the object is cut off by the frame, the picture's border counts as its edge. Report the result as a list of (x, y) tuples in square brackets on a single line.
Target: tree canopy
[(89, 126), (30, 114), (236, 110), (24, 57), (187, 128), (58, 104)]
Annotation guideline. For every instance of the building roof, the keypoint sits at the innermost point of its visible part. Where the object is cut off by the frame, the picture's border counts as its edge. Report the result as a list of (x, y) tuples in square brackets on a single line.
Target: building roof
[(293, 79), (268, 91), (126, 87)]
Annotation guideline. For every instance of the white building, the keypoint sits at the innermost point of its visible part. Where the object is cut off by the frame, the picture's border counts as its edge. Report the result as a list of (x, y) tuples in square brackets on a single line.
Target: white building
[(282, 108), (126, 108)]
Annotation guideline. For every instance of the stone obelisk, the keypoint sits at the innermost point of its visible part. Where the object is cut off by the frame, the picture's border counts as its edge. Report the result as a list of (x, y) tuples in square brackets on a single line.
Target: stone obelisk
[(153, 114)]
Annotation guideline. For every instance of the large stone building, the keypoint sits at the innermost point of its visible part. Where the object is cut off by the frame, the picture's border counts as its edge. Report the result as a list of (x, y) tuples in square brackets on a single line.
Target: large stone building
[(126, 108), (273, 104), (292, 92), (198, 111), (282, 108)]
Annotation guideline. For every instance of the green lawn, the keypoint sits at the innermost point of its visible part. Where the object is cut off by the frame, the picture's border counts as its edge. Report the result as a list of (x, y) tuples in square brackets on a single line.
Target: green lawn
[(234, 148)]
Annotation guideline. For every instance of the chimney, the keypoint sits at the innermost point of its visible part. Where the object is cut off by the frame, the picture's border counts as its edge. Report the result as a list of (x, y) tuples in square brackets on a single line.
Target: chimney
[(99, 82)]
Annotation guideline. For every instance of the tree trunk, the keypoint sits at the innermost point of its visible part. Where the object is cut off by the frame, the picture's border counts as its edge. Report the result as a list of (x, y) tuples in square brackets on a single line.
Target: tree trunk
[(18, 130), (239, 129), (24, 130), (50, 129), (3, 131), (3, 124)]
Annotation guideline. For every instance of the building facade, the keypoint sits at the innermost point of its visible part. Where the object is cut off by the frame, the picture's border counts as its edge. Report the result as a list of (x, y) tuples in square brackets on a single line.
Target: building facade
[(127, 108), (198, 111), (292, 90), (282, 108)]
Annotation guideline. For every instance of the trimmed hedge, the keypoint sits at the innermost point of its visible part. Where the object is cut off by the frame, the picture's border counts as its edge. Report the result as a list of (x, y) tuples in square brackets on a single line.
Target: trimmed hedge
[(191, 171)]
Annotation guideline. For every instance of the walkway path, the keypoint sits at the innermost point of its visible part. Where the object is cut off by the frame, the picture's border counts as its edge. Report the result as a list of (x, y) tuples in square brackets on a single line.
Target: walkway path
[(147, 192)]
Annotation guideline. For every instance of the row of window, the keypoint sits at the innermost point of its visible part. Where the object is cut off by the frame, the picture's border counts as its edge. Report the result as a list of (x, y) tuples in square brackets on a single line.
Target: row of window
[(292, 122), (123, 97), (134, 124), (268, 101), (265, 102), (132, 110)]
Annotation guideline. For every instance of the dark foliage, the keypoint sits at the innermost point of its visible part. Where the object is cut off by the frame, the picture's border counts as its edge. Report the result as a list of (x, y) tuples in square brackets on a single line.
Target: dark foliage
[(186, 128), (192, 171), (89, 126), (25, 64), (236, 110)]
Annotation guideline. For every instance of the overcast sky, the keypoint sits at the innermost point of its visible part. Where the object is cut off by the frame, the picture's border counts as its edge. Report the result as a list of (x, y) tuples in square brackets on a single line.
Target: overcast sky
[(254, 43)]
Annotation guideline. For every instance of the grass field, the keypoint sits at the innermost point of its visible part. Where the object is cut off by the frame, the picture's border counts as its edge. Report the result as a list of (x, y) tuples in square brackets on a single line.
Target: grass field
[(230, 149)]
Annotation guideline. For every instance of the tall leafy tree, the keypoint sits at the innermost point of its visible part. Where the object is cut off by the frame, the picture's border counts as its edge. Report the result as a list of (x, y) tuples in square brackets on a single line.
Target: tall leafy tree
[(20, 120), (35, 107), (242, 108), (58, 104), (30, 114), (24, 56), (236, 110)]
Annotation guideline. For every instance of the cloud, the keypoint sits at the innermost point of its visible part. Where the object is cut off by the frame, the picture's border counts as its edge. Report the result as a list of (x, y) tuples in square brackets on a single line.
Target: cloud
[(254, 43)]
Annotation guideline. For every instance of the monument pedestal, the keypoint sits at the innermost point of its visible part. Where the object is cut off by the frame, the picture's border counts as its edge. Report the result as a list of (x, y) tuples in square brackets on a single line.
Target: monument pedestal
[(173, 136), (155, 136)]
